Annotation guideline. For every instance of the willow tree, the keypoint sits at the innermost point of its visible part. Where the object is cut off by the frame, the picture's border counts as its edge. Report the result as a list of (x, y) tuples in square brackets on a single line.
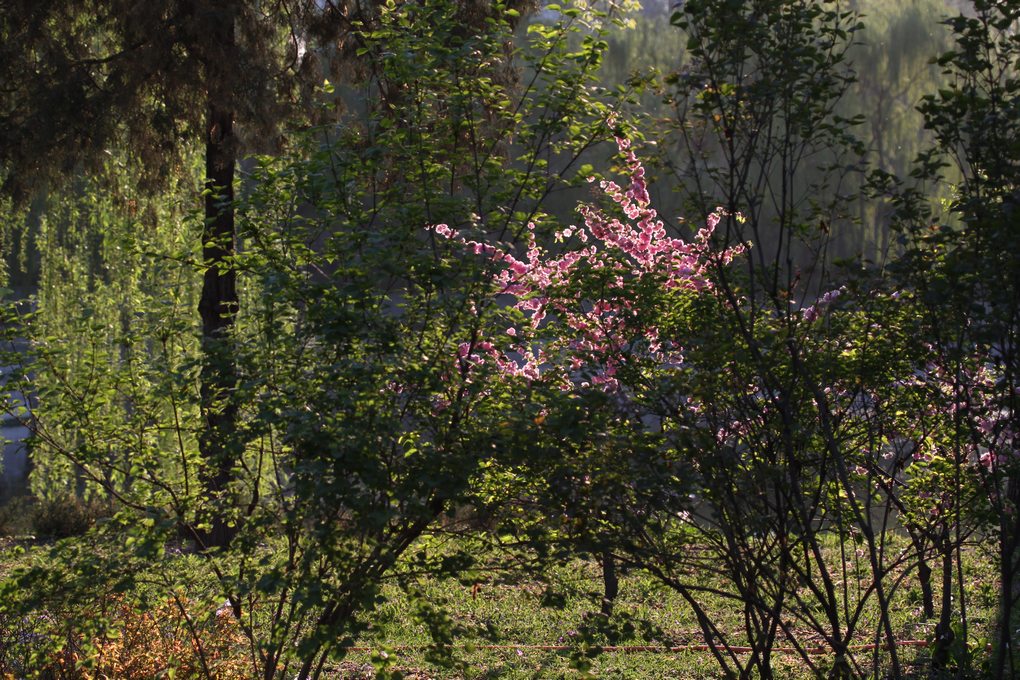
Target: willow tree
[(154, 79), (81, 78)]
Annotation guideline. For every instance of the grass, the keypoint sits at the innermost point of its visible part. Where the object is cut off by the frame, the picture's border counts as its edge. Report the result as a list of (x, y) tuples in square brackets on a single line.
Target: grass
[(516, 617), (500, 623)]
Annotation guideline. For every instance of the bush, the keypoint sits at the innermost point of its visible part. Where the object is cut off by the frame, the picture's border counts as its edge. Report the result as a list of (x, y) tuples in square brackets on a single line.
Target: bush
[(14, 516), (66, 515), (168, 639)]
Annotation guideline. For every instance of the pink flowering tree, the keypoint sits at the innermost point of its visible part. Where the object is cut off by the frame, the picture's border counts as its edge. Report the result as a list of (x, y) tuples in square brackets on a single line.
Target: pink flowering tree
[(580, 315), (675, 413), (618, 330)]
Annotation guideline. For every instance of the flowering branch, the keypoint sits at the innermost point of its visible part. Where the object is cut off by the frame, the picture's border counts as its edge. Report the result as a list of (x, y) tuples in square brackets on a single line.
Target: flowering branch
[(592, 308)]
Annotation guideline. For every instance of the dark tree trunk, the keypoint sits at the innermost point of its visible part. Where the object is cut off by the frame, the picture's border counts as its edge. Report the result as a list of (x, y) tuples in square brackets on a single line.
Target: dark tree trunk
[(218, 303), (1009, 588), (944, 634), (927, 594), (610, 581)]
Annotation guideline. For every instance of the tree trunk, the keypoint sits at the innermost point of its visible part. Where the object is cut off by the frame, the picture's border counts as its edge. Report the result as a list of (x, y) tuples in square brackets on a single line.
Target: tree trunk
[(927, 594), (1009, 588), (218, 303), (944, 635), (610, 581)]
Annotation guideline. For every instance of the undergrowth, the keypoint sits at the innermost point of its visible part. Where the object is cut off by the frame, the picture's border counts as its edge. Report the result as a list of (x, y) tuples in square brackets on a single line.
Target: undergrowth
[(502, 624)]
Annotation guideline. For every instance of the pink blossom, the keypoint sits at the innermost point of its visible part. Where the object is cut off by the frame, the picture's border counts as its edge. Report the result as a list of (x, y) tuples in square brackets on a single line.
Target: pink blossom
[(589, 340)]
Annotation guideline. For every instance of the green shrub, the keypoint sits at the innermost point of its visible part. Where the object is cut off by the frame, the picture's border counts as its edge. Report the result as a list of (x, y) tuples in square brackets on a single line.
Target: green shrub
[(14, 515), (66, 515)]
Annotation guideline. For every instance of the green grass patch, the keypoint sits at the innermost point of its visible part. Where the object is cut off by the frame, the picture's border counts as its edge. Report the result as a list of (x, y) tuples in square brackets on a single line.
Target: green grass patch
[(514, 624)]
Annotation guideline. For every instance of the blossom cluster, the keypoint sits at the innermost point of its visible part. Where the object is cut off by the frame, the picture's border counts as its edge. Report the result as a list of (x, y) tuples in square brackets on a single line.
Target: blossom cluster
[(586, 306), (811, 313)]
